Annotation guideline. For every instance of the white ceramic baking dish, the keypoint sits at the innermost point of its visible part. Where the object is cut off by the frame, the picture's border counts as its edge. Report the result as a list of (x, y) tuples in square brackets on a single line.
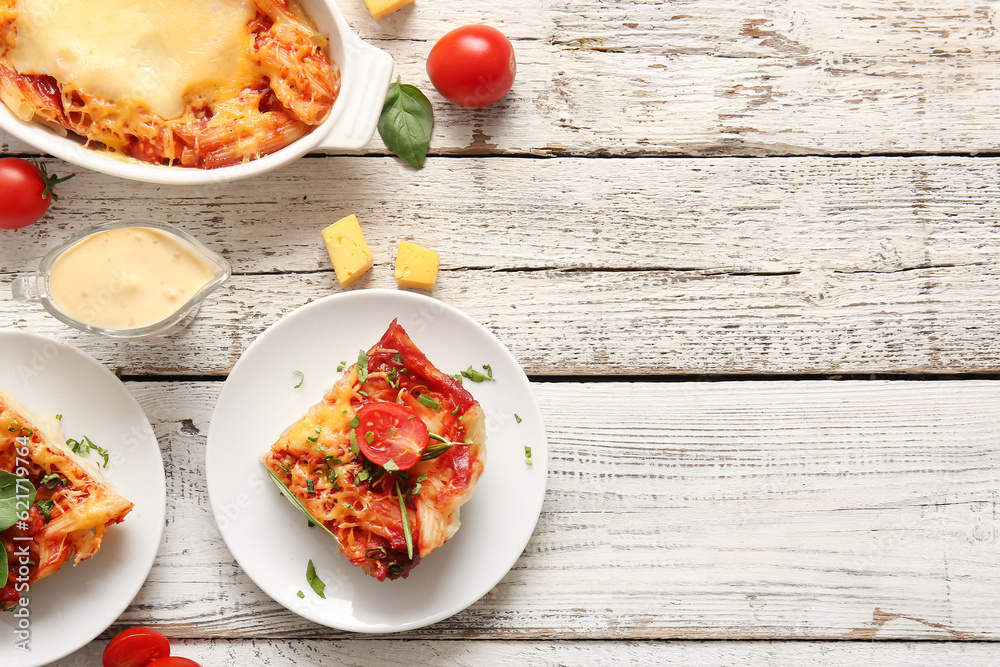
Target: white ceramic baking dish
[(366, 72)]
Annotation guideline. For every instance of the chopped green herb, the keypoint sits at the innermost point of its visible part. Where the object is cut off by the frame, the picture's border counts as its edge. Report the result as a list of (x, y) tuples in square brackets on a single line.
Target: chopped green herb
[(315, 436), (398, 358), (341, 366), (429, 402), (311, 485), (455, 411), (46, 507), (517, 418), (118, 372), (59, 417), (395, 568), (406, 523), (302, 378), (356, 422), (527, 455), (53, 480), (418, 485), (369, 437), (362, 366), (85, 446), (476, 376), (376, 553), (314, 581), (349, 506), (19, 429), (392, 430), (355, 448), (436, 449), (391, 466), (300, 594), (489, 371)]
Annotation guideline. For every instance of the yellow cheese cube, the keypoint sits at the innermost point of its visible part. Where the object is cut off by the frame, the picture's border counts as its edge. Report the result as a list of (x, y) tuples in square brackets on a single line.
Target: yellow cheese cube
[(348, 249), (382, 8), (416, 266)]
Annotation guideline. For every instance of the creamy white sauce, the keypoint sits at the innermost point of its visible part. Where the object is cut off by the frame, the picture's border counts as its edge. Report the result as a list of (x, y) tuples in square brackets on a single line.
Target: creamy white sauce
[(127, 278), (148, 52)]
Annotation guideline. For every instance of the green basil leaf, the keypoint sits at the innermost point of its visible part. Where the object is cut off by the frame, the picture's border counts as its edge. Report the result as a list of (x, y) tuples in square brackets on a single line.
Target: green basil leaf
[(406, 122), (3, 566), (17, 495), (314, 581)]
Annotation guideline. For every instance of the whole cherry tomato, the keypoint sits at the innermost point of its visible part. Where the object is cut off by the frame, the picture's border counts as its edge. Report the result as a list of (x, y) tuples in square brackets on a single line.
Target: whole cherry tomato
[(25, 192), (390, 431), (135, 647), (472, 66), (173, 661)]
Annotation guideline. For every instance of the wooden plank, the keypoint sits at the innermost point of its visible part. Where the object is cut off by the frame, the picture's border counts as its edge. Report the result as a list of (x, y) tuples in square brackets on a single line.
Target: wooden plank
[(811, 265), (762, 510), (755, 77), (649, 323), (362, 652), (774, 216), (686, 323)]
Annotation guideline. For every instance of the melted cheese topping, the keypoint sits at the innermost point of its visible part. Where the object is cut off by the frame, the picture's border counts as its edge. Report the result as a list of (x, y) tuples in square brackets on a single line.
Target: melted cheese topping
[(127, 278), (150, 53)]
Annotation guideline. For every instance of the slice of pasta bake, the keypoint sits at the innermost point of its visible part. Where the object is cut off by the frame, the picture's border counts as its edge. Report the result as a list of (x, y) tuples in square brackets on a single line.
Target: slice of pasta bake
[(384, 462), (53, 505)]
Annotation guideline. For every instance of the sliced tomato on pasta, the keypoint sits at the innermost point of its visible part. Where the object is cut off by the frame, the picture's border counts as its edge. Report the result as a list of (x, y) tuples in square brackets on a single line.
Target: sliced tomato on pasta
[(390, 435)]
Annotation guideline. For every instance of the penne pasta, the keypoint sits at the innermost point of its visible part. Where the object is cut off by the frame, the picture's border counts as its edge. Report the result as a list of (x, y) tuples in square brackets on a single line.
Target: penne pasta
[(282, 86)]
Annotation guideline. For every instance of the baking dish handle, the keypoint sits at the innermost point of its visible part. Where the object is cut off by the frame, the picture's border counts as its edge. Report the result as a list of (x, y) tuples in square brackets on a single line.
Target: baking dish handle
[(366, 85)]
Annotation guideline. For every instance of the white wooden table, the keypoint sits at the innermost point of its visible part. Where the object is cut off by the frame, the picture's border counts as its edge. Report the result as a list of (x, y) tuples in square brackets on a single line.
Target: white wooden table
[(748, 254)]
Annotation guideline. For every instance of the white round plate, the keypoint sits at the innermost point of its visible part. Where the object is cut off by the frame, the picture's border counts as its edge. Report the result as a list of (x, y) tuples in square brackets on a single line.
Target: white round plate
[(272, 541), (74, 605)]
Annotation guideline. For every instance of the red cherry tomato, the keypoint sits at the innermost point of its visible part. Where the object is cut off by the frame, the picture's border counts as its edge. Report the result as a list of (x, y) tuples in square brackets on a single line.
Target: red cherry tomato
[(173, 661), (25, 192), (390, 431), (472, 66), (135, 647)]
